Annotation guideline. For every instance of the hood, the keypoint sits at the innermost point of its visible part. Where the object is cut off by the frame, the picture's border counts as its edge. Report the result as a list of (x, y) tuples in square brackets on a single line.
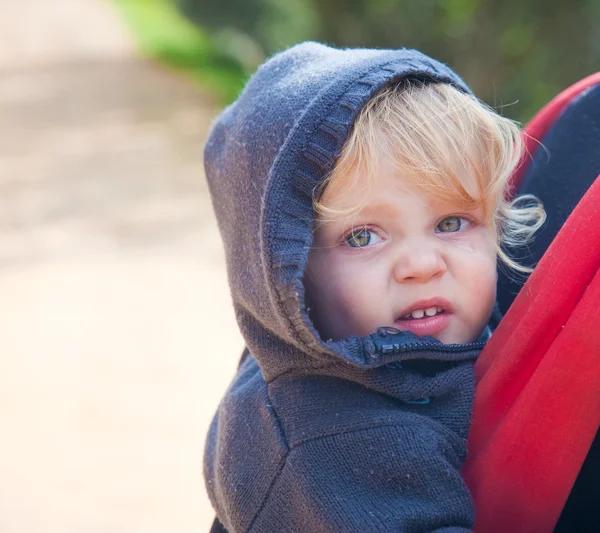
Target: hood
[(264, 157)]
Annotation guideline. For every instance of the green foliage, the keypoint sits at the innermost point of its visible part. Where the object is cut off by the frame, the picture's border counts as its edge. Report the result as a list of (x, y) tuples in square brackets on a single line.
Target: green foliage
[(273, 24), (166, 35), (515, 55)]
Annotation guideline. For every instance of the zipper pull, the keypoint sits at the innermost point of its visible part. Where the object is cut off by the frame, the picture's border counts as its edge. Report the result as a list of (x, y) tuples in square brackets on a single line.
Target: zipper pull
[(383, 345)]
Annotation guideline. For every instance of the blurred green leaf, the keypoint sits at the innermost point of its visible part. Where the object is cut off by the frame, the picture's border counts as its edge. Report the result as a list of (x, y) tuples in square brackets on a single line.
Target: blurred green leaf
[(166, 35), (507, 50)]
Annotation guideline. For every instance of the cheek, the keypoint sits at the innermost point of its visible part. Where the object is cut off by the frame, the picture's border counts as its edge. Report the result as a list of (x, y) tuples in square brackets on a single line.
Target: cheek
[(475, 269), (481, 277), (343, 281), (480, 256), (327, 292), (342, 291)]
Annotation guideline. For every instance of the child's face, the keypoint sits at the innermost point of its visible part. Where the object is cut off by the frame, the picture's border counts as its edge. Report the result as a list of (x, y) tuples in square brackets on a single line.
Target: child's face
[(402, 255)]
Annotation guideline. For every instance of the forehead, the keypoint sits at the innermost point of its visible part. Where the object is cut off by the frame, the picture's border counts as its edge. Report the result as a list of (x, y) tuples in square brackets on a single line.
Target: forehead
[(383, 181), (390, 204), (381, 186)]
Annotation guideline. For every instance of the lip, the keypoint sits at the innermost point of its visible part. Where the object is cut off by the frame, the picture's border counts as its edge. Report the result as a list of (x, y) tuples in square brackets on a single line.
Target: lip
[(428, 326), (426, 304)]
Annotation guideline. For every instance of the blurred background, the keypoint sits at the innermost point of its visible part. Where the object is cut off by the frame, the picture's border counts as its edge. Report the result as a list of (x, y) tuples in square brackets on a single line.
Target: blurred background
[(112, 284)]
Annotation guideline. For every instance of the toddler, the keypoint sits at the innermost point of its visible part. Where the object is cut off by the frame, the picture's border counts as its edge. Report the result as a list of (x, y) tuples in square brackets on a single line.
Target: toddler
[(361, 199)]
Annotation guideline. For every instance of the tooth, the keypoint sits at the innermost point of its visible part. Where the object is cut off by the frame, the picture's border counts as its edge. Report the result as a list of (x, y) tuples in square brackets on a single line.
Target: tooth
[(432, 311), (418, 314), (439, 309)]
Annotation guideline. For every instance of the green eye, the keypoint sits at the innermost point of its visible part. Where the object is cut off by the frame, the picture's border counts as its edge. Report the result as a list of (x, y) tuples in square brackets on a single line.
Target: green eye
[(449, 225), (359, 238)]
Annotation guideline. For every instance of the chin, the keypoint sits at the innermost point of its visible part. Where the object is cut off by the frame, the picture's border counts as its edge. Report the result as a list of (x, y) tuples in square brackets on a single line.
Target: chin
[(447, 337)]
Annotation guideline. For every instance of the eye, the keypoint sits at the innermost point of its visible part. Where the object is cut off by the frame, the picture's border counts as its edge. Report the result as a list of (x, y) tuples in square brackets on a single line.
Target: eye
[(452, 225), (361, 237)]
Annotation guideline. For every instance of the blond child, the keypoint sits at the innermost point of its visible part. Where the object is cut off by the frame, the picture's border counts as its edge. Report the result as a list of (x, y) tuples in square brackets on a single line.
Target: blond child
[(361, 199)]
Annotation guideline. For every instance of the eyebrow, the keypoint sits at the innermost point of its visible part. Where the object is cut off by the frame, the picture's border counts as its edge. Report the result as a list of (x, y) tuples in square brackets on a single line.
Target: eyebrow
[(378, 207), (433, 205)]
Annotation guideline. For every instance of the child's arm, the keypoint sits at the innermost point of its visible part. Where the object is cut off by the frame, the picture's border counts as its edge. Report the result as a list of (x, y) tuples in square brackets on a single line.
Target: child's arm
[(342, 457), (380, 479)]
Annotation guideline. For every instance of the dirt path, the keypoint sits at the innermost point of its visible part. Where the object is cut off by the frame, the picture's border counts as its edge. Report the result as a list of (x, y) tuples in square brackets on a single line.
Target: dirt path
[(112, 285)]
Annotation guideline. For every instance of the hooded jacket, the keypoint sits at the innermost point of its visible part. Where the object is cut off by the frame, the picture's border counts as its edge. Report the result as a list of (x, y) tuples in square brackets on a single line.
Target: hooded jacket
[(363, 434)]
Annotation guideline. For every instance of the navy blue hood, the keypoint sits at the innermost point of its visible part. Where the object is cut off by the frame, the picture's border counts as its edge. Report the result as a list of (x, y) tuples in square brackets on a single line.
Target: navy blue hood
[(265, 156)]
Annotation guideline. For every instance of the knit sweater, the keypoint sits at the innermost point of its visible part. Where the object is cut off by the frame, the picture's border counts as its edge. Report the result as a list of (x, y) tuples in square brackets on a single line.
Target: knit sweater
[(362, 434)]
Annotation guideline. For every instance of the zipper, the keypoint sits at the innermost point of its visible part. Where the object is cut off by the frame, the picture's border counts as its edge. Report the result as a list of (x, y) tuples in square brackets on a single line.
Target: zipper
[(384, 345)]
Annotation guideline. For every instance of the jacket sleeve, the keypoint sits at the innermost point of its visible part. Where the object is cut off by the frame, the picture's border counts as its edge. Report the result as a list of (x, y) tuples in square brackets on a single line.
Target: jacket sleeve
[(382, 479)]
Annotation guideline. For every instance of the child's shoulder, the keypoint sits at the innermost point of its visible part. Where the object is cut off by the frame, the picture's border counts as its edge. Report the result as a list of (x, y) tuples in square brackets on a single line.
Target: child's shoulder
[(320, 437)]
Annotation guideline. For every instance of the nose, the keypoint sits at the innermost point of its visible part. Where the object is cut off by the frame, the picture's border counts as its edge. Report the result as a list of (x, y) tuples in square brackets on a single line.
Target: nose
[(418, 260)]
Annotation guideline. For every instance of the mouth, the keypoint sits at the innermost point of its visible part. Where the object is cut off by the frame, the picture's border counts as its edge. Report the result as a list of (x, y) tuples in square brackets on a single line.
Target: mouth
[(423, 313), (425, 317)]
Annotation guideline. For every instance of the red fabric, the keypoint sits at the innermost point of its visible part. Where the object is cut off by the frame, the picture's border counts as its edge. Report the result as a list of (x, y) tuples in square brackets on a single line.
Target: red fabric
[(537, 407)]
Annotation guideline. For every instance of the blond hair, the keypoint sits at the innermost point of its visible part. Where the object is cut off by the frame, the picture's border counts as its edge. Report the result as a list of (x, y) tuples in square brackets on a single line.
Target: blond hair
[(450, 146)]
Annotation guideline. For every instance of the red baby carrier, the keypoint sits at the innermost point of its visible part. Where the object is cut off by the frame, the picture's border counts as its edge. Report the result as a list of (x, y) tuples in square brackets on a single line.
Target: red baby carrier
[(537, 407)]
